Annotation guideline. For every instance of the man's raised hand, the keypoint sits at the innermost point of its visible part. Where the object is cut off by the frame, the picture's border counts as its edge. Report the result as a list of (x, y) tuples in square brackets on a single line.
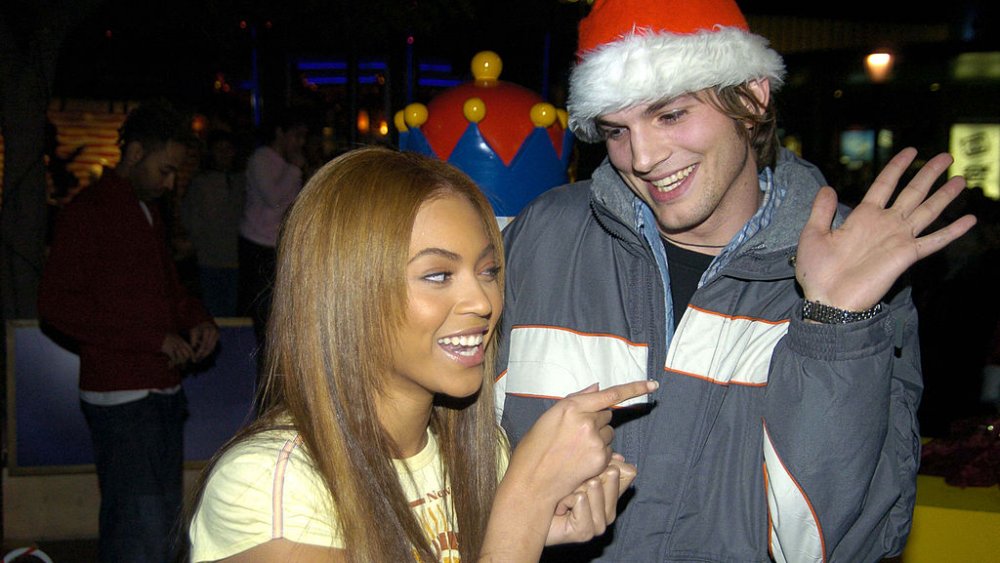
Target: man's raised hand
[(852, 267)]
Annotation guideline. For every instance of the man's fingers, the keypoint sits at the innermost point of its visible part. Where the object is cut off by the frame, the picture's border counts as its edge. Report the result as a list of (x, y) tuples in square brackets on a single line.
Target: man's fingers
[(179, 353), (933, 242), (821, 217), (183, 350), (928, 211), (206, 345), (594, 401), (917, 189), (184, 353), (885, 184)]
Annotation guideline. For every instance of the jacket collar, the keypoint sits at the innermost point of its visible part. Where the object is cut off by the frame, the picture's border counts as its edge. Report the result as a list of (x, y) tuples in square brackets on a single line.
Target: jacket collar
[(799, 179)]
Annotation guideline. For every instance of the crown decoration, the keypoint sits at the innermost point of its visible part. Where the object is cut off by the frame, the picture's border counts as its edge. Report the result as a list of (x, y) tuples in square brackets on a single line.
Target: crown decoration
[(505, 137)]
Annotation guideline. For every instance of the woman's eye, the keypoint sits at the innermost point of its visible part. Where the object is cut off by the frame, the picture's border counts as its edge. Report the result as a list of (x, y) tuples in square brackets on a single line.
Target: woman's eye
[(491, 273), (438, 277)]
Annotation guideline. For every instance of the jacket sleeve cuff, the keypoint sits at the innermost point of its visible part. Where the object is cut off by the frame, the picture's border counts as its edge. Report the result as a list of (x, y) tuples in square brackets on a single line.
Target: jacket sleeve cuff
[(835, 342)]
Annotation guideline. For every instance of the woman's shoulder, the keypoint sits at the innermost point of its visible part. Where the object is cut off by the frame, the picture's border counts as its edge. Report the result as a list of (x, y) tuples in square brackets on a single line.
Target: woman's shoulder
[(263, 487), (266, 460), (263, 445)]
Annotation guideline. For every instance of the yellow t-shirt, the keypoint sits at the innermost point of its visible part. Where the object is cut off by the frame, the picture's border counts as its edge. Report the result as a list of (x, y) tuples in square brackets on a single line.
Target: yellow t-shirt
[(266, 488)]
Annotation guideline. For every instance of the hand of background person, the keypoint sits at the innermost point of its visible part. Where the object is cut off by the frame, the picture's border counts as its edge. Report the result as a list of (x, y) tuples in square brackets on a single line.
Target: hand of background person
[(852, 267), (593, 506), (570, 443), (204, 337), (177, 350)]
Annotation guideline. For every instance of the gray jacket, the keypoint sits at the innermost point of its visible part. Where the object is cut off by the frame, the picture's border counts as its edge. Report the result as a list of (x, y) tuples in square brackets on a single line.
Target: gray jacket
[(768, 436)]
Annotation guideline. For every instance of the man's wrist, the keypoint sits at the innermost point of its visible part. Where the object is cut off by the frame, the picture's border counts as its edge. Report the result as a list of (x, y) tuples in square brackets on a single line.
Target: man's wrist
[(825, 314)]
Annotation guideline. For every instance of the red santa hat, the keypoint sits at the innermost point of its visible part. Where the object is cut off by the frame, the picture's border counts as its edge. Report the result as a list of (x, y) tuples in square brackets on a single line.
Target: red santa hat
[(641, 51)]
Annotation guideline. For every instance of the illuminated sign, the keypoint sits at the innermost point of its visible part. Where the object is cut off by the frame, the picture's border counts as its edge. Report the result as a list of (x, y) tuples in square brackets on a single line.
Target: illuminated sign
[(976, 148), (857, 148)]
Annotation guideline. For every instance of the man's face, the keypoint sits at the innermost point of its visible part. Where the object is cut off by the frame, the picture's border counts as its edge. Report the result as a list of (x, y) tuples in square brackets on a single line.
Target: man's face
[(155, 173), (689, 163)]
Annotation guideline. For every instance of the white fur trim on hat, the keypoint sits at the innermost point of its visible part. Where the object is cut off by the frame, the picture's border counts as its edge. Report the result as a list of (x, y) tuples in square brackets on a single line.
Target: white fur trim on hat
[(645, 67)]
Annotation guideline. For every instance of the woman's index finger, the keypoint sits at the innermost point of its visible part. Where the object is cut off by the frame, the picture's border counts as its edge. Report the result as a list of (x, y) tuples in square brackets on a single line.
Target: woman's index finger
[(594, 401)]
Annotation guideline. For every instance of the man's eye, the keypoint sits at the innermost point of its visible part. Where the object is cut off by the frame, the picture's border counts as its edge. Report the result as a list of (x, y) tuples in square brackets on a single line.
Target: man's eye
[(612, 132), (672, 116)]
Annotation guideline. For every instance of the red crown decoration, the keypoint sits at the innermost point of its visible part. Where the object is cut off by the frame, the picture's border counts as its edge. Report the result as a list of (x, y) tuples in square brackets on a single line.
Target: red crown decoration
[(504, 136)]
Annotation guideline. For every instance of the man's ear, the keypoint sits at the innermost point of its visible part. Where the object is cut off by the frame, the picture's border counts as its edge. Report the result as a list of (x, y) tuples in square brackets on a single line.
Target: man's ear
[(133, 153)]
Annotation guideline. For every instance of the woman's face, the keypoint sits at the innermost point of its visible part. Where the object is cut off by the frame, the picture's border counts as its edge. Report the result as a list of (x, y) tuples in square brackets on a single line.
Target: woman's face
[(454, 301)]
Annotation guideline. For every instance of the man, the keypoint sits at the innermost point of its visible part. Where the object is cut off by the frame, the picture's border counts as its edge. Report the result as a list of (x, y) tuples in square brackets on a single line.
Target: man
[(111, 287), (784, 426)]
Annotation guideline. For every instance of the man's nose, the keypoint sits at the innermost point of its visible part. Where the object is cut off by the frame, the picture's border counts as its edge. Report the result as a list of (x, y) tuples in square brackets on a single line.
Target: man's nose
[(647, 151)]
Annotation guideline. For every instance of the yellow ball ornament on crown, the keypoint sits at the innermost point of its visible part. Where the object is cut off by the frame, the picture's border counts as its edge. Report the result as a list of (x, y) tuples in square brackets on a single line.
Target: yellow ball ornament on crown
[(486, 67), (399, 120), (474, 109), (543, 114), (415, 114)]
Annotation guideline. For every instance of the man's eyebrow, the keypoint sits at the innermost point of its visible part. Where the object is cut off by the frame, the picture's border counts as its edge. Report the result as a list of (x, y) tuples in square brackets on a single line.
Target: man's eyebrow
[(657, 106), (652, 108), (604, 123)]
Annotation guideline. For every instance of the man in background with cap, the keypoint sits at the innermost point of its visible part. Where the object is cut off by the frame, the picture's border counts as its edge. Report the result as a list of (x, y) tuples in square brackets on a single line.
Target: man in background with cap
[(704, 256)]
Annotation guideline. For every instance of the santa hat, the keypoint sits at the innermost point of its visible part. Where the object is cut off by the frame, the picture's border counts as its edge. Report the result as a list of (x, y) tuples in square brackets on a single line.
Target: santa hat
[(641, 51)]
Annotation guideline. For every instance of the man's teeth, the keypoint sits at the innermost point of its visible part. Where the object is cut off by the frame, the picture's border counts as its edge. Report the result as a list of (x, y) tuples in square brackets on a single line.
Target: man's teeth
[(470, 341), (670, 182)]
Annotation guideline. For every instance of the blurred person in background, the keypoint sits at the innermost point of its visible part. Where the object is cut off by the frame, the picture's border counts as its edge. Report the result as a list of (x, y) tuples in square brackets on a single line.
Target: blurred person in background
[(211, 212), (110, 287), (274, 177)]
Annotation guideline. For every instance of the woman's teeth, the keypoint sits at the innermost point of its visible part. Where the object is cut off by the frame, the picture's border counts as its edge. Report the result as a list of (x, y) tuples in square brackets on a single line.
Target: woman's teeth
[(670, 182), (463, 345)]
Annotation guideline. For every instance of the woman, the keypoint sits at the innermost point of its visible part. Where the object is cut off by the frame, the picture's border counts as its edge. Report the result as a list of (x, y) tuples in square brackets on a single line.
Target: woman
[(388, 292)]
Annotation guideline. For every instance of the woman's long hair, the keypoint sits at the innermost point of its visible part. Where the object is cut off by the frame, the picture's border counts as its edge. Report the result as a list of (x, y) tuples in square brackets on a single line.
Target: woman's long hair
[(340, 297)]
